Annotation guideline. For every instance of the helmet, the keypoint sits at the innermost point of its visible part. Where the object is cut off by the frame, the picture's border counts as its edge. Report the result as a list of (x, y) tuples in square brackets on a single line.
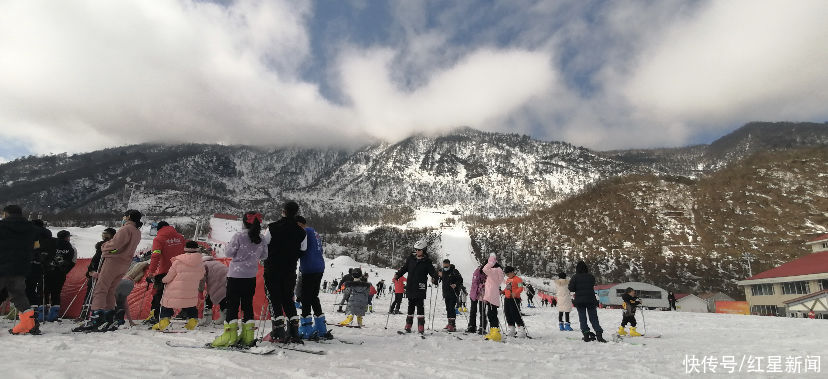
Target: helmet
[(420, 245)]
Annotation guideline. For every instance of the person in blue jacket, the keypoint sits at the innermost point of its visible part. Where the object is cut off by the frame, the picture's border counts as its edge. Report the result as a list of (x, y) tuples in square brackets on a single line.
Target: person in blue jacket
[(312, 266)]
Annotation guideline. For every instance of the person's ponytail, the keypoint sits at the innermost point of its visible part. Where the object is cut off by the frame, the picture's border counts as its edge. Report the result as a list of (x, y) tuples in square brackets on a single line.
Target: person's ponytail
[(253, 223)]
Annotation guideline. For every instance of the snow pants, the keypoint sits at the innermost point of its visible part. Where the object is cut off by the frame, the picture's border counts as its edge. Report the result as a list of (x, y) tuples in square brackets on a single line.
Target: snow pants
[(34, 284), (561, 316), (158, 284), (190, 312), (492, 315), (112, 271), (395, 305), (591, 312), (16, 287), (310, 294), (628, 318), (451, 305), (54, 286), (240, 293), (280, 287), (510, 307)]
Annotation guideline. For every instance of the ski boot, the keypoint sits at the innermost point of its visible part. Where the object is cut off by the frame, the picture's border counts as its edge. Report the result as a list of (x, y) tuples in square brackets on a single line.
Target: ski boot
[(494, 335), (229, 337), (28, 323), (622, 331), (511, 331), (96, 319), (347, 321), (222, 317), (561, 326), (471, 329), (248, 334), (321, 328), (522, 333), (207, 318), (589, 336), (41, 313), (151, 318), (409, 320), (293, 331), (162, 324), (191, 324), (359, 321), (568, 327), (278, 334), (634, 333), (306, 330), (450, 327), (600, 338), (421, 324)]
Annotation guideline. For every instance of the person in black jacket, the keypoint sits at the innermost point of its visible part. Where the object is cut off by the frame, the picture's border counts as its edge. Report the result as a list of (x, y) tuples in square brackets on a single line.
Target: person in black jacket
[(35, 279), (347, 278), (631, 302), (583, 284), (452, 282), (419, 267), (671, 297), (18, 239), (288, 242), (56, 270)]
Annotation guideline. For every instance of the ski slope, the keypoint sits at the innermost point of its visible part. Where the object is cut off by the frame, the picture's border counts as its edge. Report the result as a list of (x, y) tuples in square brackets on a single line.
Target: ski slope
[(385, 354), (455, 245)]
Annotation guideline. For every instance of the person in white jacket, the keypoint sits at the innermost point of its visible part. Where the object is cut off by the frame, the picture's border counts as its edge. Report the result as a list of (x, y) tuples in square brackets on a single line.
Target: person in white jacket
[(564, 301)]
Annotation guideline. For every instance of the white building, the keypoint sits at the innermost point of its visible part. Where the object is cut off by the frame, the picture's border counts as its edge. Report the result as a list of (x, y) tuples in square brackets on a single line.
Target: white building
[(690, 303)]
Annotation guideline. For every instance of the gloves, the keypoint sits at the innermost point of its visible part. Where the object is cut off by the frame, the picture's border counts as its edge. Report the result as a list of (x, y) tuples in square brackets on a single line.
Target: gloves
[(115, 251)]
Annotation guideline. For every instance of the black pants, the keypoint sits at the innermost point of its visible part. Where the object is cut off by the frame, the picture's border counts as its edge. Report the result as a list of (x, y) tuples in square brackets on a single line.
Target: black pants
[(280, 287), (191, 312), (16, 289), (208, 303), (395, 305), (159, 292), (492, 315), (591, 312), (628, 318), (54, 286), (672, 304), (473, 314), (310, 294), (451, 304), (240, 292), (34, 284), (561, 316), (416, 305), (512, 312), (530, 300)]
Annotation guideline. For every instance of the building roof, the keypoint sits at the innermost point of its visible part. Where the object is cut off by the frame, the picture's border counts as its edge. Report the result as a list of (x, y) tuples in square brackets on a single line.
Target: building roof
[(681, 295), (821, 238), (814, 263), (806, 297), (605, 286), (226, 216)]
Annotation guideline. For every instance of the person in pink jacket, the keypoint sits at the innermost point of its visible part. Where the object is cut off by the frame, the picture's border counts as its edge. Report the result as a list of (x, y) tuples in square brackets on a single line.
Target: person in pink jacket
[(491, 295), (181, 288)]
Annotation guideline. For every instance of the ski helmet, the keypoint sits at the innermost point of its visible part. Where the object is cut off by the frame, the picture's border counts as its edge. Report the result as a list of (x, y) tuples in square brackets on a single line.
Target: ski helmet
[(420, 245)]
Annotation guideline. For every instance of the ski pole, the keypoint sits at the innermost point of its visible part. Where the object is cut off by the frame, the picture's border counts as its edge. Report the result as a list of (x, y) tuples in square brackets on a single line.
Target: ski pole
[(90, 294), (73, 300), (643, 321)]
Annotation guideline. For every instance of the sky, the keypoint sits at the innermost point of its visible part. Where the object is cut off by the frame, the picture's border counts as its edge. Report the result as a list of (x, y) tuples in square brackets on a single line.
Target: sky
[(80, 75)]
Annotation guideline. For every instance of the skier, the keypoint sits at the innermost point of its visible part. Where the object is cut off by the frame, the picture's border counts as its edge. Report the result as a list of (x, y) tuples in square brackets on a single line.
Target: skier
[(182, 282), (452, 280), (347, 278), (246, 249), (478, 288), (312, 267), (125, 287), (35, 279), (530, 295), (373, 292), (418, 267), (56, 270), (583, 284), (116, 258), (491, 295), (18, 240), (565, 303), (511, 294), (334, 285), (464, 295), (399, 289), (631, 302), (167, 244), (215, 282), (325, 286), (359, 294), (380, 288), (671, 297), (288, 242)]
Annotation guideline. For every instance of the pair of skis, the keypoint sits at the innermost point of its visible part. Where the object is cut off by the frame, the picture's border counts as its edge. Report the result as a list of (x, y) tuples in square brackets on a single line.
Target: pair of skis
[(257, 350)]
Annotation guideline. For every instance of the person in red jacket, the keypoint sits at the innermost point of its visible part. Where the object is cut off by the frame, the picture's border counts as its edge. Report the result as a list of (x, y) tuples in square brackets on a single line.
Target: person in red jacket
[(168, 244), (399, 289), (514, 287)]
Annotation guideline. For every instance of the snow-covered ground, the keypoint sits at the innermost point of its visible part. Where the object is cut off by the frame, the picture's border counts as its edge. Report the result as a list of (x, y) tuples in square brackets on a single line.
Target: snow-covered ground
[(143, 353)]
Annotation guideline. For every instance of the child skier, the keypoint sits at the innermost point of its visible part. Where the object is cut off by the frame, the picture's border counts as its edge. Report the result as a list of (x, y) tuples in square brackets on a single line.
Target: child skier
[(514, 287), (478, 287), (564, 302), (181, 289), (631, 302), (215, 281), (418, 266), (132, 277), (399, 289), (246, 248), (359, 295), (491, 296)]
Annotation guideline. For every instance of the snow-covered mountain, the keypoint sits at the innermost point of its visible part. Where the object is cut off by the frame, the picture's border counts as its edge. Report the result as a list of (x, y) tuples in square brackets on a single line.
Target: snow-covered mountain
[(472, 172)]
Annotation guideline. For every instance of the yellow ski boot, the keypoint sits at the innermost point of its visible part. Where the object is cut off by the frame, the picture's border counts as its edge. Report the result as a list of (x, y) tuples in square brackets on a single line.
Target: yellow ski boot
[(622, 331), (191, 324), (359, 321), (162, 324), (494, 335), (634, 333), (347, 321)]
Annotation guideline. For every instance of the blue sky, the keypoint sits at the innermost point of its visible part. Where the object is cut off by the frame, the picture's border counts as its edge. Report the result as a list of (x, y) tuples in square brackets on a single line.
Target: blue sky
[(83, 75)]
